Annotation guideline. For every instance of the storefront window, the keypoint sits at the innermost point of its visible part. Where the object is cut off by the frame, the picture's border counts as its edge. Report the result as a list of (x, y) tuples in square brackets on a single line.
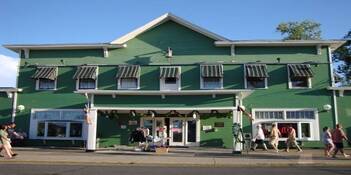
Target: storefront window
[(267, 128), (75, 130), (284, 129), (305, 130), (57, 129)]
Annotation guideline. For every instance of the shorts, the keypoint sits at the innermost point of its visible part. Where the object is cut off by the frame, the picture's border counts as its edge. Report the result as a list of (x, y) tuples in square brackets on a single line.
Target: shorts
[(259, 141), (339, 145), (274, 141)]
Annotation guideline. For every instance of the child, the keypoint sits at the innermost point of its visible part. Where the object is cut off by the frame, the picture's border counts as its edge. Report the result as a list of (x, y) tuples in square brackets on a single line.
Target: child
[(327, 141)]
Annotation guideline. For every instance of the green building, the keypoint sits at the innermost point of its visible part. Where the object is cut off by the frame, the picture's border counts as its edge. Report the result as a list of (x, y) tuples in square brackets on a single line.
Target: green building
[(174, 77)]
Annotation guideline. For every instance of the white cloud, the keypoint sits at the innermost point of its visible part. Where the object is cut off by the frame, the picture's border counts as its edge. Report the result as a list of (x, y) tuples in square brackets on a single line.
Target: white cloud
[(8, 71)]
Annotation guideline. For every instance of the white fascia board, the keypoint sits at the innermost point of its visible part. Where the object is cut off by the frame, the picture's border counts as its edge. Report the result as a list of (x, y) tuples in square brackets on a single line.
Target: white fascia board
[(340, 88), (162, 19), (17, 47), (332, 43), (242, 92), (166, 109), (10, 90)]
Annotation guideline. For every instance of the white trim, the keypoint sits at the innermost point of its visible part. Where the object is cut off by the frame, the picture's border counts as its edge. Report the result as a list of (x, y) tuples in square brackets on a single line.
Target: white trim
[(314, 123), (26, 53), (14, 107), (163, 86), (166, 109), (105, 50), (18, 47), (319, 49), (232, 50), (158, 21), (309, 81), (340, 88), (34, 125)]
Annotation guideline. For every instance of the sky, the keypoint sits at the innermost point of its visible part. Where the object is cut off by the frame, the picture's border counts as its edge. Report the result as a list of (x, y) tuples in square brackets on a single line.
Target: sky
[(96, 21)]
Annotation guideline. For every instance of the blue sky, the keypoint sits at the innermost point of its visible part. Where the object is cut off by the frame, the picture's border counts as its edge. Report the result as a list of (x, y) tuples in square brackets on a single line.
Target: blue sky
[(89, 21)]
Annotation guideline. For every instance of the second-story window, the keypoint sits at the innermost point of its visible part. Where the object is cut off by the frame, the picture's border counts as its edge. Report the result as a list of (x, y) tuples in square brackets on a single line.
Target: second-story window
[(256, 76), (211, 76), (170, 78), (300, 76), (86, 77), (128, 77), (46, 78)]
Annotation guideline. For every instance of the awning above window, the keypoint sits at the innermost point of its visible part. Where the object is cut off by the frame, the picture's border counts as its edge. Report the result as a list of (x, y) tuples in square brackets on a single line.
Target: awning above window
[(212, 70), (129, 71), (300, 70), (45, 73), (169, 72), (256, 70), (85, 72)]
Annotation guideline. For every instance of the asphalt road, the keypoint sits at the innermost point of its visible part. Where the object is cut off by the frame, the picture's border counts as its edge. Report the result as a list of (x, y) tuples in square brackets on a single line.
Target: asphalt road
[(25, 169)]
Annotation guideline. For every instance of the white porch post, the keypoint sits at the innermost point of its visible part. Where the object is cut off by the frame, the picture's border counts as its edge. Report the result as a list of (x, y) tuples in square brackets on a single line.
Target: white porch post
[(91, 138), (237, 146)]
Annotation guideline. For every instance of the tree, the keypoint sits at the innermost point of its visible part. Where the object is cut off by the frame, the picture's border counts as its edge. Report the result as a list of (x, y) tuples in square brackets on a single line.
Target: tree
[(342, 58), (305, 30)]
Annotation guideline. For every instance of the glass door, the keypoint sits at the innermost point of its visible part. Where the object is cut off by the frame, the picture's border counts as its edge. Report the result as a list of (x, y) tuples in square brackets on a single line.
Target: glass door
[(155, 125), (177, 132), (191, 132)]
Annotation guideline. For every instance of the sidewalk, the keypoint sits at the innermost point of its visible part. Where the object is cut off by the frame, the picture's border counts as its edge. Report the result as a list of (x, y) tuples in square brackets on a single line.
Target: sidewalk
[(176, 157)]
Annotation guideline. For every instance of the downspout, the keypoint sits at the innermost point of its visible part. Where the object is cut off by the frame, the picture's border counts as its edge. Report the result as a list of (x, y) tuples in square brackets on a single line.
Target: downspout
[(335, 105)]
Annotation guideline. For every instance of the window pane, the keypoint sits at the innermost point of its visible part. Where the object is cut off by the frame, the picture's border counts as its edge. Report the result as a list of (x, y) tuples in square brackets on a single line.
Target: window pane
[(57, 129), (300, 114), (72, 115), (46, 84), (47, 115), (41, 129), (171, 80), (299, 82), (75, 130), (253, 83), (86, 84), (149, 125), (211, 83), (284, 129), (305, 130), (129, 83)]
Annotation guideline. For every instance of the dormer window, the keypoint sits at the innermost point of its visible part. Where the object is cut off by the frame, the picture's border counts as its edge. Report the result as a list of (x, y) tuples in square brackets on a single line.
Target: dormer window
[(46, 78), (86, 77), (211, 76), (128, 77), (256, 76)]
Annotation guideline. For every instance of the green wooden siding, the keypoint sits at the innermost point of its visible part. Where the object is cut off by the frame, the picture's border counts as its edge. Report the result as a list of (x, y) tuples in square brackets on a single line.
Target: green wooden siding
[(219, 136), (344, 111), (5, 108)]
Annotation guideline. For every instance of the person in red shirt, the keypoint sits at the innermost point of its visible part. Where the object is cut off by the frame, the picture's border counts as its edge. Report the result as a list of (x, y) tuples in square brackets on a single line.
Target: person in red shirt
[(338, 138)]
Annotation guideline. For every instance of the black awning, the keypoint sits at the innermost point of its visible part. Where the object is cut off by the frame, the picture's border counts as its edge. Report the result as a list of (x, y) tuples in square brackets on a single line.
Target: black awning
[(169, 72), (45, 73), (85, 72), (129, 71), (256, 70), (300, 70), (212, 70)]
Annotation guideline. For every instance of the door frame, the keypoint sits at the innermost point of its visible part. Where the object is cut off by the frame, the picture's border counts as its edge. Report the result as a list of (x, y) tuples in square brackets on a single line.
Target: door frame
[(185, 132)]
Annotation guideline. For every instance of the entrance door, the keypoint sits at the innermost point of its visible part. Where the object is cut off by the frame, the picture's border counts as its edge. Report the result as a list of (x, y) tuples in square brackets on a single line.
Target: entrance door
[(153, 124), (184, 132)]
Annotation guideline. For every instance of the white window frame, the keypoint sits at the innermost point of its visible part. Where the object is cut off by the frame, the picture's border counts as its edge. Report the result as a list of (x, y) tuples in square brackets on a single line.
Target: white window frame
[(202, 81), (96, 80), (121, 88), (163, 85), (38, 88), (314, 123), (34, 125), (246, 82), (309, 82)]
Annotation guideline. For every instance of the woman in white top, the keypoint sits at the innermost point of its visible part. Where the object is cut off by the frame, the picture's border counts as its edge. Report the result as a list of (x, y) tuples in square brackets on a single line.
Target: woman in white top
[(259, 138), (327, 141)]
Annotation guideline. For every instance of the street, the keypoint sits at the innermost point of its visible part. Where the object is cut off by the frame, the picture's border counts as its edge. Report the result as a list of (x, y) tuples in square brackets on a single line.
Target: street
[(26, 169)]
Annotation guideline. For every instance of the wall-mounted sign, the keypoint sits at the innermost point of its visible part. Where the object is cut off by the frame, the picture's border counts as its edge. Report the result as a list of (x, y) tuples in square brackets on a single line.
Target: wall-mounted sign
[(219, 124), (132, 122), (123, 127), (206, 127)]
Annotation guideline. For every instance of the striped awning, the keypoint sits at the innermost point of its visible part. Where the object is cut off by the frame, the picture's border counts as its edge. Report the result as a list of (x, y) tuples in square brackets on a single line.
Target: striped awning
[(300, 70), (129, 71), (45, 73), (85, 72), (212, 70), (169, 72), (256, 70)]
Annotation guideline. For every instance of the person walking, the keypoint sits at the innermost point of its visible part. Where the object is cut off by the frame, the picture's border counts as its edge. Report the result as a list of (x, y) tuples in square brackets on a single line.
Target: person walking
[(327, 141), (274, 137), (6, 150), (338, 138), (259, 138), (291, 141)]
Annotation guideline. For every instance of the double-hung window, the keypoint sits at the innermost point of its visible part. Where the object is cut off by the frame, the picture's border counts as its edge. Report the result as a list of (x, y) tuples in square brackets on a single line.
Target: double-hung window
[(86, 77), (128, 77), (170, 78), (46, 78), (211, 76), (256, 76), (304, 121), (300, 76)]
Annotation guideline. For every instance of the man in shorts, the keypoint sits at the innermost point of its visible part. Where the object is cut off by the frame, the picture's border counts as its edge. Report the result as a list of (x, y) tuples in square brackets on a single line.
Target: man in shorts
[(291, 141), (338, 138)]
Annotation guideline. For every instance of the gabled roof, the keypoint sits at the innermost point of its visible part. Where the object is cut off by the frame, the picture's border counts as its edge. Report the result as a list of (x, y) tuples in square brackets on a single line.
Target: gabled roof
[(164, 18)]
